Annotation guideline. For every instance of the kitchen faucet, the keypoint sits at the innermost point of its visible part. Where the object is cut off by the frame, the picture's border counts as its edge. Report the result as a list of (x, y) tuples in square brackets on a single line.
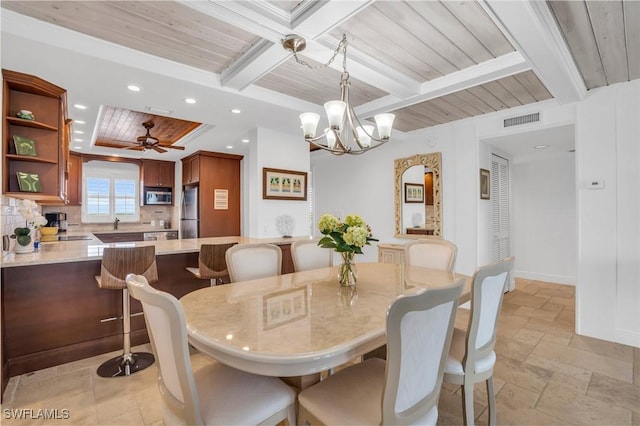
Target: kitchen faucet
[(115, 224)]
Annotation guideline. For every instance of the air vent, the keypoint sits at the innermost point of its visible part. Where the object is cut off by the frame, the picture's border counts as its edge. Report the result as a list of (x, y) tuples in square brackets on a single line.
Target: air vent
[(523, 119)]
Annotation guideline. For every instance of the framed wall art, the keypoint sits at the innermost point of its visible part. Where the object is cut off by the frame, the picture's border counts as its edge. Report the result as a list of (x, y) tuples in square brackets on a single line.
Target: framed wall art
[(413, 193), (280, 184), (485, 184)]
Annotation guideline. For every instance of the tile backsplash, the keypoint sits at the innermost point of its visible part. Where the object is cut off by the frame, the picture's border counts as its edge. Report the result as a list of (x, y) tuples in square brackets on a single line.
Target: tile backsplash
[(150, 217)]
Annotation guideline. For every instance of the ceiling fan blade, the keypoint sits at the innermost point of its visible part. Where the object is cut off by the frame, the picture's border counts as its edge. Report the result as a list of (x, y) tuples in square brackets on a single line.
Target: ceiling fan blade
[(181, 148), (158, 149), (135, 148)]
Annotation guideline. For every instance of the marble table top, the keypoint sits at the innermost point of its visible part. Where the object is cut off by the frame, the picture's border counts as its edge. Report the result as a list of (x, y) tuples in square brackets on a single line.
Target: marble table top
[(302, 323)]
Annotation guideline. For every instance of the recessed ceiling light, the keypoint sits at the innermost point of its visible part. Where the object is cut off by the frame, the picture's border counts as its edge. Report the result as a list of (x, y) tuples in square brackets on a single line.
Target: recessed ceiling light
[(245, 140), (236, 111), (78, 122), (78, 140), (79, 106), (190, 100), (133, 88), (541, 146), (80, 132), (229, 146), (77, 147)]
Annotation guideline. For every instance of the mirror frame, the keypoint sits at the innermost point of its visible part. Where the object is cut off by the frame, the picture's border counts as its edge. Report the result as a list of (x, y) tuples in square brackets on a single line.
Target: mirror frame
[(434, 162)]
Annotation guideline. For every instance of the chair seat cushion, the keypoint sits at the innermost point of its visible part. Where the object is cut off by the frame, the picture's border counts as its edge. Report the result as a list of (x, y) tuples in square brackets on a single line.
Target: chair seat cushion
[(352, 396), (234, 397), (457, 351)]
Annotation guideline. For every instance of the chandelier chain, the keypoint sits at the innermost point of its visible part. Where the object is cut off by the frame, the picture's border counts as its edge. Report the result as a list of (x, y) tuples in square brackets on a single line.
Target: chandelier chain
[(341, 46)]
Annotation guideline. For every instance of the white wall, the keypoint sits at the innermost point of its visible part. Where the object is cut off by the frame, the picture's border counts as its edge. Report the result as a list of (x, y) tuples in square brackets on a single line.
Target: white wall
[(607, 137), (278, 151), (544, 238)]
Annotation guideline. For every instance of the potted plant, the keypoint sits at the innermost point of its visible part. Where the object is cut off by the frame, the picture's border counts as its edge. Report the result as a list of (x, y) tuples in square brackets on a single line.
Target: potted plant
[(33, 221)]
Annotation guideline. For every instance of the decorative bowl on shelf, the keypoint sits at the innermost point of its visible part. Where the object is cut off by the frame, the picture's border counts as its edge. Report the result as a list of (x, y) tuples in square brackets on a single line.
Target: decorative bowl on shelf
[(48, 230), (25, 114)]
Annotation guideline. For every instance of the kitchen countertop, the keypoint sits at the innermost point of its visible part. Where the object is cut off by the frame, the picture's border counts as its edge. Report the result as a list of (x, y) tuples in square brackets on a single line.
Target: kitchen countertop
[(84, 250)]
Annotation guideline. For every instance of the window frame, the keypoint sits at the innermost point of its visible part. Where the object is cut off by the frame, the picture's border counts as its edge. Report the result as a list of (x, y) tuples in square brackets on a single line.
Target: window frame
[(113, 172)]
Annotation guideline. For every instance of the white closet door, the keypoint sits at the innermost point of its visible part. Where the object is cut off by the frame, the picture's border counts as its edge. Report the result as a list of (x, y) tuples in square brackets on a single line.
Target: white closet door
[(500, 222)]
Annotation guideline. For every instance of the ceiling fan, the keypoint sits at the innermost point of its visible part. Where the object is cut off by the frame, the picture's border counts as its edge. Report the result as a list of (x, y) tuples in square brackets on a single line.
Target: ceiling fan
[(147, 141)]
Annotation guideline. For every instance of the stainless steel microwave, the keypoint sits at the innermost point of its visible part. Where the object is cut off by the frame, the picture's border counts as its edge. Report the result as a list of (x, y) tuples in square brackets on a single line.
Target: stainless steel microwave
[(157, 196)]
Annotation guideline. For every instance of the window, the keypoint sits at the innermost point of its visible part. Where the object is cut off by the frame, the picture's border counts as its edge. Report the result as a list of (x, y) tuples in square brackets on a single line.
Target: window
[(110, 191)]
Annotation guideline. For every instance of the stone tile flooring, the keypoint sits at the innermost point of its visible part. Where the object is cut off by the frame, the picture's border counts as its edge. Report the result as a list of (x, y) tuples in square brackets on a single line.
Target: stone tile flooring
[(545, 374)]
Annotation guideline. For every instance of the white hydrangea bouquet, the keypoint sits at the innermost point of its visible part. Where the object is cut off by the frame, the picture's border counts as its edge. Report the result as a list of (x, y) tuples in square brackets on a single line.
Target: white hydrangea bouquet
[(347, 238)]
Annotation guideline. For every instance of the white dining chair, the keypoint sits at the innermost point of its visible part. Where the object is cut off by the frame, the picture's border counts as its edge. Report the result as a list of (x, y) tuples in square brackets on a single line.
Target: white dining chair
[(472, 356), (253, 261), (307, 254), (431, 253), (215, 394), (405, 389)]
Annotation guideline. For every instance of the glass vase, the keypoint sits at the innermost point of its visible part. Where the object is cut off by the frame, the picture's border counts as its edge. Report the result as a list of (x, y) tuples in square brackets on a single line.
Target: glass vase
[(347, 274)]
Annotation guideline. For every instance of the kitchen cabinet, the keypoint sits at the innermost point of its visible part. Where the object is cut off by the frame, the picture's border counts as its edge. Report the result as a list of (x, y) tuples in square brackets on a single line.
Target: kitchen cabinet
[(158, 173), (191, 169), (74, 180), (41, 152), (219, 172), (119, 237)]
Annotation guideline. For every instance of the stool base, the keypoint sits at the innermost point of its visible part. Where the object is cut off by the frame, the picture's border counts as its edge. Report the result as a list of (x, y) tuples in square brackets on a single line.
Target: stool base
[(125, 365)]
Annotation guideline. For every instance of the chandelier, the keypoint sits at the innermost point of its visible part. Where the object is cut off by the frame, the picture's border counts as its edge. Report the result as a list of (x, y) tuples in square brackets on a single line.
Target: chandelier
[(345, 134)]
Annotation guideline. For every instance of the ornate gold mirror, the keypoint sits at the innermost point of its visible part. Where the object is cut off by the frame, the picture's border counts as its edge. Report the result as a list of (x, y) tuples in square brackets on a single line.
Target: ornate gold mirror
[(418, 196)]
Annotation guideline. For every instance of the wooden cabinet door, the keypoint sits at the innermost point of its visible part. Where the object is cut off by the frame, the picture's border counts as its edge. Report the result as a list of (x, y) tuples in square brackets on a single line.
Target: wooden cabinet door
[(74, 180), (158, 173), (191, 170)]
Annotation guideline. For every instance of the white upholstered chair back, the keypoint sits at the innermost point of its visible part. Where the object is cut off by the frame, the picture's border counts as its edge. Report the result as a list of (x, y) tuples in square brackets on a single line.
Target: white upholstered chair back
[(167, 330), (253, 261), (472, 356), (431, 253), (419, 330), (308, 255)]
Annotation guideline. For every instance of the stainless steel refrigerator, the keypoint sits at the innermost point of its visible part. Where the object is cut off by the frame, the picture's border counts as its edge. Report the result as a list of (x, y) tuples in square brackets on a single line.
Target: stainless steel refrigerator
[(190, 218)]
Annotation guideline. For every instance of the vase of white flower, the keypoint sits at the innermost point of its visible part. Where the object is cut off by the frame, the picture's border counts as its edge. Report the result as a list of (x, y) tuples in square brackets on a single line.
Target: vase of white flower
[(25, 235), (347, 238)]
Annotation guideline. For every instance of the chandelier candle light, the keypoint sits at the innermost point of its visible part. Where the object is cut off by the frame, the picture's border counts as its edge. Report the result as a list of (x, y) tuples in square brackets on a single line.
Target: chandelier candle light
[(346, 134)]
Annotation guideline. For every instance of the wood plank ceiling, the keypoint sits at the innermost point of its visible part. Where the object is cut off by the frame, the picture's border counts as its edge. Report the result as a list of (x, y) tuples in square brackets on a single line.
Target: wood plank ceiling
[(429, 62)]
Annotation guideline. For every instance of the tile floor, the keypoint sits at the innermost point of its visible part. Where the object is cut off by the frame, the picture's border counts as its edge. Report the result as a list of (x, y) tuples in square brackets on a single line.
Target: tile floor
[(545, 374)]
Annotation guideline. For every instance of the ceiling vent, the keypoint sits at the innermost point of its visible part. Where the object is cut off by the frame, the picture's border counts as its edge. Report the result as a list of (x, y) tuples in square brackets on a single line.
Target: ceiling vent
[(523, 119)]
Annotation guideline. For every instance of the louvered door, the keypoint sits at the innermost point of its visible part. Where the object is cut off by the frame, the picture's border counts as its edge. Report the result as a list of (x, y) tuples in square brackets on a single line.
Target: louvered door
[(500, 223)]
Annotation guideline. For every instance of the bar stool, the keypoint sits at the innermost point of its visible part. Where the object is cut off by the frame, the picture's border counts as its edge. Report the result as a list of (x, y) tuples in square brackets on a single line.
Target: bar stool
[(117, 263), (211, 263)]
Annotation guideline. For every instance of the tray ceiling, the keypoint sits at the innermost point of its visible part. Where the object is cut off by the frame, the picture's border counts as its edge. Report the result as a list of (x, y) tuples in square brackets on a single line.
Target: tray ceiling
[(429, 62)]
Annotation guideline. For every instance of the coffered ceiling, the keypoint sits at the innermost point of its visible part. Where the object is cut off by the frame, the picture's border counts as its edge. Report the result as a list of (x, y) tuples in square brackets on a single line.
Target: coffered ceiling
[(429, 62)]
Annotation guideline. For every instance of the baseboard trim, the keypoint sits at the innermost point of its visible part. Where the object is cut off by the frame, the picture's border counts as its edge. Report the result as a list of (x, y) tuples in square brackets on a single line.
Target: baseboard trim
[(549, 278)]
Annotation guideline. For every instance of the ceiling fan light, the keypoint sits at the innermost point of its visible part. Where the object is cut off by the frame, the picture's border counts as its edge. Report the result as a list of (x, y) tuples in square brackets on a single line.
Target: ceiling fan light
[(335, 113), (385, 124), (364, 135), (309, 121)]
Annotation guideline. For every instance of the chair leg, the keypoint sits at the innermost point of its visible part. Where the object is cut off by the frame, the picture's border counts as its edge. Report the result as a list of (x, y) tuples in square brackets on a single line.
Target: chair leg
[(291, 415), (491, 397), (467, 404)]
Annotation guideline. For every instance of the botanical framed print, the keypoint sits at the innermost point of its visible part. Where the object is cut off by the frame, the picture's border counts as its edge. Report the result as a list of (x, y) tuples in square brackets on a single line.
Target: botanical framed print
[(413, 193), (29, 182), (485, 183), (278, 184), (24, 146)]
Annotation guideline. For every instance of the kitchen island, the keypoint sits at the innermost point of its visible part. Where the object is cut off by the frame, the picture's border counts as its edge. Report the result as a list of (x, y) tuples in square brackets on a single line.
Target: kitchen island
[(53, 311)]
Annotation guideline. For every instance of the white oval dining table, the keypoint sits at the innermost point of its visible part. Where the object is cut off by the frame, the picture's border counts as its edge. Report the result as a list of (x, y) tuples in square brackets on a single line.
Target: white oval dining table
[(302, 323)]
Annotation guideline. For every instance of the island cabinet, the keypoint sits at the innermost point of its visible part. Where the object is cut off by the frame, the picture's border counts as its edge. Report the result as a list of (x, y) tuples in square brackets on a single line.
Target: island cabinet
[(55, 313), (158, 173), (34, 149)]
